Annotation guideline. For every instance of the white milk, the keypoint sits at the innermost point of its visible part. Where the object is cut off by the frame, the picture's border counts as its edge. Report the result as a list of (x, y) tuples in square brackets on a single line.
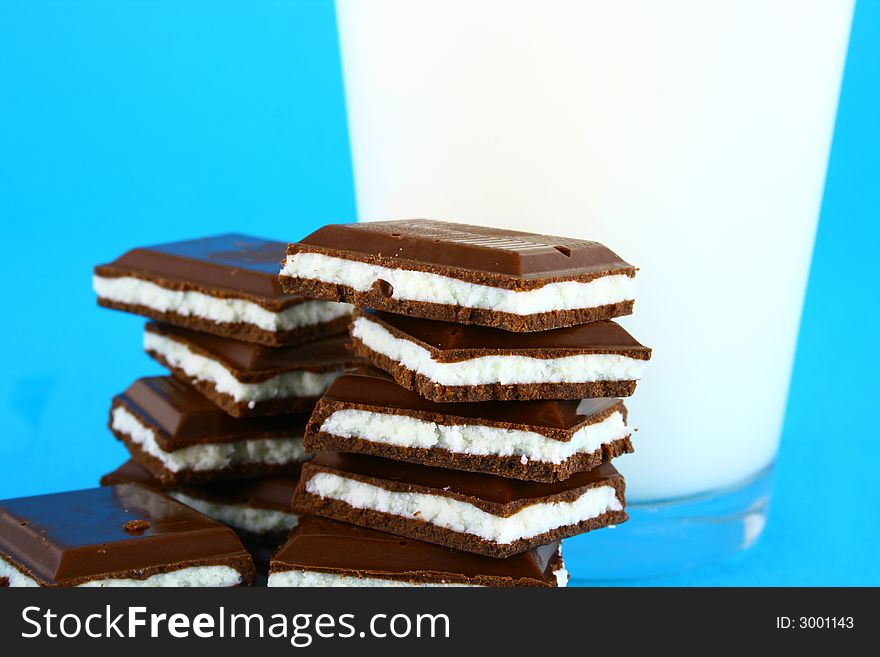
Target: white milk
[(690, 136)]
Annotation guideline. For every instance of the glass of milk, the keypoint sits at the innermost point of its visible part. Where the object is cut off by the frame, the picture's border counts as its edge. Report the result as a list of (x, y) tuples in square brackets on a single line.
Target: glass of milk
[(689, 136)]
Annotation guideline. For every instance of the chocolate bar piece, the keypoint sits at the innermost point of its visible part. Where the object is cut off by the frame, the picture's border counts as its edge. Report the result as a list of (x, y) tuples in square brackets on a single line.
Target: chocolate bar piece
[(479, 513), (323, 552), (453, 363), (257, 509), (366, 412), (226, 285), (116, 536), (247, 379), (466, 274), (182, 438)]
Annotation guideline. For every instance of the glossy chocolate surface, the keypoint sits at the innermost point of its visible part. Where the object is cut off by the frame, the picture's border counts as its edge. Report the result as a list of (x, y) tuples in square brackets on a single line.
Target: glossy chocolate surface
[(267, 493), (461, 341), (490, 488), (327, 545), (80, 535), (488, 250), (231, 263), (372, 387), (256, 358), (185, 417)]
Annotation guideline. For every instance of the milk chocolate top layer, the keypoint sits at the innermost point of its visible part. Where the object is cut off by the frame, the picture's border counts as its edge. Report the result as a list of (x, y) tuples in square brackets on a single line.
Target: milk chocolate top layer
[(267, 493), (493, 251), (255, 362), (374, 390), (66, 538), (488, 488), (328, 546), (184, 417), (450, 342), (237, 264)]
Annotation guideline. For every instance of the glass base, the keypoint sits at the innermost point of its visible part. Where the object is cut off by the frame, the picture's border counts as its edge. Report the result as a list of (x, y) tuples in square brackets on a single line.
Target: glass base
[(669, 536)]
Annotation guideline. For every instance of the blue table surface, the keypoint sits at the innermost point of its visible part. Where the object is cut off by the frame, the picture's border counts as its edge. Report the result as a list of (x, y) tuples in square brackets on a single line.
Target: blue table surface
[(124, 124)]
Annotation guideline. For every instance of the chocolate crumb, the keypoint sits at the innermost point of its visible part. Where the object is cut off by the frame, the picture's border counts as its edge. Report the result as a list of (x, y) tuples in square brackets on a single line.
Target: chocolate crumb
[(136, 526), (385, 288), (4, 582)]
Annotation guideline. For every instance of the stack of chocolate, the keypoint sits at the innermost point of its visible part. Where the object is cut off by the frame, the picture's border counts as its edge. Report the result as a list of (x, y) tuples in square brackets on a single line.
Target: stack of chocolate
[(224, 432), (481, 434), (470, 434)]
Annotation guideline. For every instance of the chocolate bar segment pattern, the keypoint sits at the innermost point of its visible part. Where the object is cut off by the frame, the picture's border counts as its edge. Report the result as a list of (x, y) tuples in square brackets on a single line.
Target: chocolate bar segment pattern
[(447, 362), (460, 273), (122, 535), (226, 285), (324, 552), (478, 513), (182, 438), (367, 412), (247, 379)]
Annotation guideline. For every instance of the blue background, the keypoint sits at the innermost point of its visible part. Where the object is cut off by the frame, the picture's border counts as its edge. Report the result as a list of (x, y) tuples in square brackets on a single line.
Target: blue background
[(134, 123)]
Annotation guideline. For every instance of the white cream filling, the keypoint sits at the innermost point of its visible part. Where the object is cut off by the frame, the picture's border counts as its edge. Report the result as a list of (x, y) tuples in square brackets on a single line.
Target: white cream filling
[(240, 516), (209, 456), (463, 517), (506, 369), (288, 384), (412, 285), (562, 577), (561, 574), (130, 290), (404, 431), (291, 578), (17, 579), (193, 576), (295, 578)]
